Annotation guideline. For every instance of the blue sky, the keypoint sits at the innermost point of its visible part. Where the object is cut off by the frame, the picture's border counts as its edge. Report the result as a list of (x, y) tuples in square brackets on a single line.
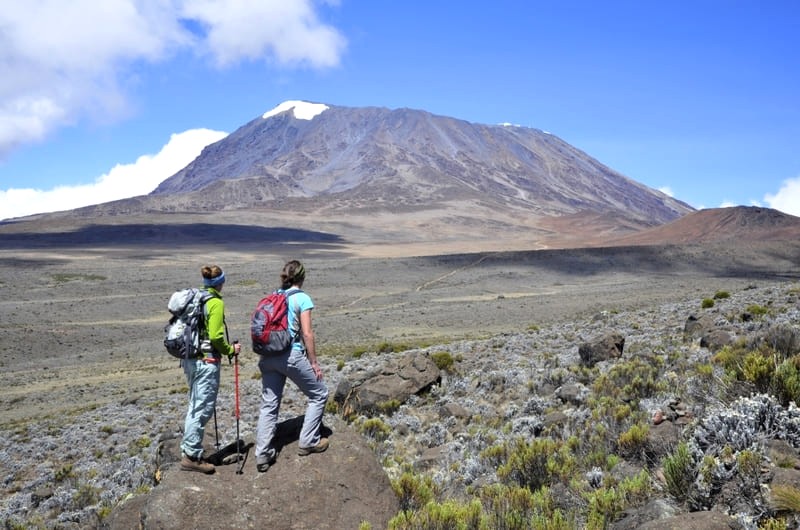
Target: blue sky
[(103, 100)]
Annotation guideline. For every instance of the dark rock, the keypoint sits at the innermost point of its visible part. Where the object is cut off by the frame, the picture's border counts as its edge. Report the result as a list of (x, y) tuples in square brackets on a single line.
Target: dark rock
[(573, 393), (400, 378), (710, 520), (716, 339), (655, 510), (454, 410), (782, 454), (662, 440), (696, 326), (785, 477), (603, 348)]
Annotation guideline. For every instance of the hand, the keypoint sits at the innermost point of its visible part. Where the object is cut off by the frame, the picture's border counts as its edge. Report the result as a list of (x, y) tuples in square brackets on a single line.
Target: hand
[(236, 347), (317, 370)]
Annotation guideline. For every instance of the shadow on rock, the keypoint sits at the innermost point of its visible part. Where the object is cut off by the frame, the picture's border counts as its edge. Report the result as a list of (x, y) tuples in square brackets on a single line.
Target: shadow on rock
[(341, 488)]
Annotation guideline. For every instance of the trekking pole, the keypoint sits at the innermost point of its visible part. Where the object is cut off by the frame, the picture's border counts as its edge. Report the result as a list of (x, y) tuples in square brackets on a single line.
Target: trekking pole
[(216, 432), (239, 461)]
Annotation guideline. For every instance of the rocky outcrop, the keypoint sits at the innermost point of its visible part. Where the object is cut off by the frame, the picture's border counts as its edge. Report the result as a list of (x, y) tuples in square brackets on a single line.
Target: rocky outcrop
[(388, 388), (603, 348), (340, 488)]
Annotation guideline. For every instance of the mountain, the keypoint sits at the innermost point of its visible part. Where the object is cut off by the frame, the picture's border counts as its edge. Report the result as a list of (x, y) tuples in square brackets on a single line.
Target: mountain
[(363, 158), (404, 181)]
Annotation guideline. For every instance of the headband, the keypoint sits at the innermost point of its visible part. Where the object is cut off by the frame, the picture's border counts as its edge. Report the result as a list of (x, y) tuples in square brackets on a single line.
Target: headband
[(214, 282)]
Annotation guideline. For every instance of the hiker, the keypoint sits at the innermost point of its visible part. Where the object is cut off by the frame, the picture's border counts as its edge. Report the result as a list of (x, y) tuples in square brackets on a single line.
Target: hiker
[(202, 372), (298, 364)]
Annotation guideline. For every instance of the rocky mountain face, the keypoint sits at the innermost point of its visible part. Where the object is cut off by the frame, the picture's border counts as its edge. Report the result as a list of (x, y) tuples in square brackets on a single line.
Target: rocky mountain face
[(366, 157)]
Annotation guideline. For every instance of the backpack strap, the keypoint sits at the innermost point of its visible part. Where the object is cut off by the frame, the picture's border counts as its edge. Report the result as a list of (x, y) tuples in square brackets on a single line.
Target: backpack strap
[(298, 337)]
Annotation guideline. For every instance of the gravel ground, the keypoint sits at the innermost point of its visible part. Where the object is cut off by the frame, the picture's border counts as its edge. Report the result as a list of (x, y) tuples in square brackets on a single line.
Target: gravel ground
[(87, 391)]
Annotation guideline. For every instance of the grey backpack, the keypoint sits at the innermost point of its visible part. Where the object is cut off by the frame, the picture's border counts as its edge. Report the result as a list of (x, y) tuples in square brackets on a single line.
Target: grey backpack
[(186, 307)]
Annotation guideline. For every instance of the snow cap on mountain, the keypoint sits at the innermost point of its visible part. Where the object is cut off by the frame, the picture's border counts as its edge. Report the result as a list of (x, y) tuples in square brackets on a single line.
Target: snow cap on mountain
[(302, 110)]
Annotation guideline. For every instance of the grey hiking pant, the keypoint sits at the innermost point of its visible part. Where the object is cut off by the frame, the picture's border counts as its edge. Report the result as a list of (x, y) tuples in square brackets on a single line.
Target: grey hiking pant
[(274, 371), (203, 381)]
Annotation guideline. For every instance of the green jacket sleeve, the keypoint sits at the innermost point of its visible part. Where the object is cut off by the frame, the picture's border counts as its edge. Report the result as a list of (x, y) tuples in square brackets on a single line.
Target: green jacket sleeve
[(215, 325)]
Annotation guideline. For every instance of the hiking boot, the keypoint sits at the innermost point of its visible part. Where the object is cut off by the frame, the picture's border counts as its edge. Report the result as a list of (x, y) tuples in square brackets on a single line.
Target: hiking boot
[(196, 464), (264, 463), (319, 448)]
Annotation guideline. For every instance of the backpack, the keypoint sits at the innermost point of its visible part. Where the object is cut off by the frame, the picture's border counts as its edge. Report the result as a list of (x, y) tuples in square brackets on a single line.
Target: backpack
[(269, 325), (183, 329)]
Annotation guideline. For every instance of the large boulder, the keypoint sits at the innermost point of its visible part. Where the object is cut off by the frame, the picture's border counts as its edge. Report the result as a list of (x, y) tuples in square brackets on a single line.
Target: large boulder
[(340, 488), (602, 348), (399, 379)]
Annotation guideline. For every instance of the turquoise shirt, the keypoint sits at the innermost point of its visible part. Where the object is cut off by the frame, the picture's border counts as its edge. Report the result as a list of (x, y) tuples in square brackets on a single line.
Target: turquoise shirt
[(298, 302)]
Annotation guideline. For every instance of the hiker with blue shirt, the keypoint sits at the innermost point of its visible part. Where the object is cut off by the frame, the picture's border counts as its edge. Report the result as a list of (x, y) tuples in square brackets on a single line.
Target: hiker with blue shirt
[(300, 365), (202, 372)]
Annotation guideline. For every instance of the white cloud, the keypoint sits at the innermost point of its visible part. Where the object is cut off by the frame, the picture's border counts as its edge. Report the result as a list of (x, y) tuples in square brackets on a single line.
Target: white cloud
[(124, 180), (62, 61), (287, 31), (787, 198), (666, 190)]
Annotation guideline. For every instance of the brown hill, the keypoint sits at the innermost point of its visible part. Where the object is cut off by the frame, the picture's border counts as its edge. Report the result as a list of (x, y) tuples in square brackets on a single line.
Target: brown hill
[(739, 224)]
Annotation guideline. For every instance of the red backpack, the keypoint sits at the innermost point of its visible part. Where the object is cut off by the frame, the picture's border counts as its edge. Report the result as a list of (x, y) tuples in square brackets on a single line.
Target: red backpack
[(269, 325)]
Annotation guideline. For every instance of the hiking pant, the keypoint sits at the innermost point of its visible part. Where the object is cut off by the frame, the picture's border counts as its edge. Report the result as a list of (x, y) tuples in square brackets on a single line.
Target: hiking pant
[(274, 371), (203, 381)]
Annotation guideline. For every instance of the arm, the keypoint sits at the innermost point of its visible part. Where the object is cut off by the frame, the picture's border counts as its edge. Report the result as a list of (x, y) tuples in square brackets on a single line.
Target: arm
[(308, 341)]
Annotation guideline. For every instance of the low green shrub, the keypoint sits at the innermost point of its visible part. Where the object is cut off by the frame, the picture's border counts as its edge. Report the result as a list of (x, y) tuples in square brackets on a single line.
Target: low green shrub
[(679, 472), (443, 360)]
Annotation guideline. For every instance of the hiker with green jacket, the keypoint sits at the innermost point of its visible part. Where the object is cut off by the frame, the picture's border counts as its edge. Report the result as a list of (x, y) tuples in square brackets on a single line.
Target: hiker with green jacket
[(203, 372)]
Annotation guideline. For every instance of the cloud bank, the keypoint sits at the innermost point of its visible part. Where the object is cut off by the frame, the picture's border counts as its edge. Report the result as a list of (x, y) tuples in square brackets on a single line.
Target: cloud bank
[(123, 181), (63, 62), (787, 198)]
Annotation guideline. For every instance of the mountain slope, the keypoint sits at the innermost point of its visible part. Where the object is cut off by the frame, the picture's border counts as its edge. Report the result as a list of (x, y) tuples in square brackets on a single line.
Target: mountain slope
[(401, 182), (739, 224), (366, 157)]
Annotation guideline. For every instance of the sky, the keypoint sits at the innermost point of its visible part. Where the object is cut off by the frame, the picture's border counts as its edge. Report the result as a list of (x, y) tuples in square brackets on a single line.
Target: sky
[(697, 98)]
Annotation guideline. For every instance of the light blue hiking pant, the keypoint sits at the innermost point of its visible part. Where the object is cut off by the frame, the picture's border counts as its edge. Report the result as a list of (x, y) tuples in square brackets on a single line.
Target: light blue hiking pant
[(274, 371), (203, 381)]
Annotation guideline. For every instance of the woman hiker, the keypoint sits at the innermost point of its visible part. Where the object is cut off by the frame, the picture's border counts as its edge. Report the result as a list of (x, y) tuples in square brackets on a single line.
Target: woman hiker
[(202, 373), (298, 364)]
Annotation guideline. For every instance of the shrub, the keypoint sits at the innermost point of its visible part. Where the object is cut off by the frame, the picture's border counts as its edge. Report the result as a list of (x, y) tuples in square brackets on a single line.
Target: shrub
[(679, 472), (375, 428), (537, 463), (443, 360), (66, 471), (634, 439), (388, 407), (721, 294), (413, 491), (707, 303), (630, 380), (786, 381), (757, 310), (785, 497), (518, 507), (86, 496), (450, 515), (758, 369)]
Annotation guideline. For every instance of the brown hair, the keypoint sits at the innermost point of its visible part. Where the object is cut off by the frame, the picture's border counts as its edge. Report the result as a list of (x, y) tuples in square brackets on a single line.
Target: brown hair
[(210, 271), (293, 273)]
